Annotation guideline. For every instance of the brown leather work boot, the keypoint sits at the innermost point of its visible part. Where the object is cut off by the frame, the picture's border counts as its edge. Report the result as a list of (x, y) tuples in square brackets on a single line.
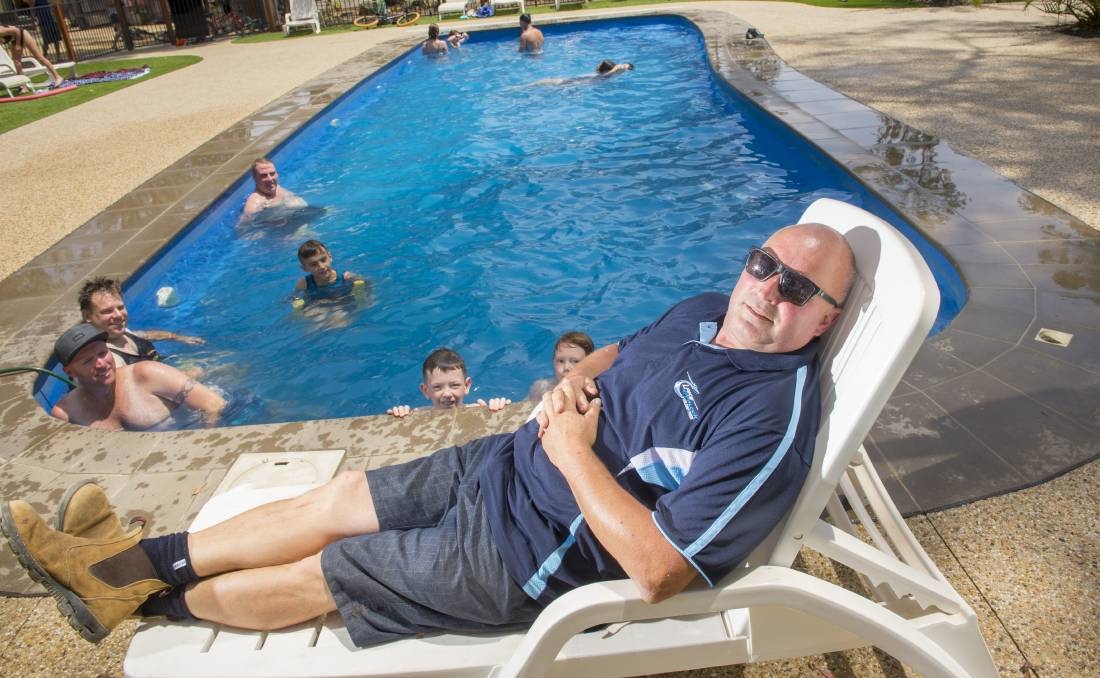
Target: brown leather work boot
[(86, 512), (96, 582)]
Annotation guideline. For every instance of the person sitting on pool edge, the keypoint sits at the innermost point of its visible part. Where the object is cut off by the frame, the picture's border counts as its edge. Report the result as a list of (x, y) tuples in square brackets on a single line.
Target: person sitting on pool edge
[(268, 192), (446, 383), (666, 459), (101, 305), (434, 44), (570, 349), (146, 395), (530, 38)]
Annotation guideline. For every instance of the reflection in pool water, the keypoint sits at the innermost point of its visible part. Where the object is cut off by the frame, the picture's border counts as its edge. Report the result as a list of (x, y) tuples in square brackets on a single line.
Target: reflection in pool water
[(491, 216)]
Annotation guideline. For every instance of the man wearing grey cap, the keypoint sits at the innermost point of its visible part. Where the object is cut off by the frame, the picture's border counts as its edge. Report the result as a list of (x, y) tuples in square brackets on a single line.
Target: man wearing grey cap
[(136, 397)]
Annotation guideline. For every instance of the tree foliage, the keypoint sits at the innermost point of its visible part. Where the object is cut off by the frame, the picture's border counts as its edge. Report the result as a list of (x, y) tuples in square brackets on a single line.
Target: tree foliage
[(1085, 12)]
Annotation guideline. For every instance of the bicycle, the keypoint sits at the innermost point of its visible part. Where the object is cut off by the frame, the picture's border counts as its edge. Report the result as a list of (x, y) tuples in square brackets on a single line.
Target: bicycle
[(382, 17), (230, 21)]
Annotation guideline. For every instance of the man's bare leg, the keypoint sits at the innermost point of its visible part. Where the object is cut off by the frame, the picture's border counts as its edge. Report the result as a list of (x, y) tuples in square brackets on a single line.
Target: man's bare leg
[(286, 531), (264, 599)]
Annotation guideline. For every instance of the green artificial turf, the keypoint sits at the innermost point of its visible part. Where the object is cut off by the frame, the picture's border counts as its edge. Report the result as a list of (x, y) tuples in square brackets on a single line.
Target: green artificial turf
[(20, 113)]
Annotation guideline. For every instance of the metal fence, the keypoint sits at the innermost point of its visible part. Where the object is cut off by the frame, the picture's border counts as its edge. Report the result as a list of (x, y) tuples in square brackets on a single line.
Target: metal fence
[(78, 30)]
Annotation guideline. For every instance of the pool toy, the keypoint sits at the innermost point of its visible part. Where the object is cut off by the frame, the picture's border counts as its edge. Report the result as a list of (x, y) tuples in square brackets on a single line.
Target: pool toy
[(41, 94), (167, 297)]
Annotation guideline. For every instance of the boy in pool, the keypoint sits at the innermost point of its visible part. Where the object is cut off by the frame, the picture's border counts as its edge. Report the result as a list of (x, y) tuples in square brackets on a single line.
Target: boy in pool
[(446, 383), (325, 289), (456, 37), (324, 279), (571, 348)]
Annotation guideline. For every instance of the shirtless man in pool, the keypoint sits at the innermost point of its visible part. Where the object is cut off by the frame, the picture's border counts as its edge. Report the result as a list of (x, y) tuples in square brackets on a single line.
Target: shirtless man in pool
[(134, 397), (268, 192), (530, 38)]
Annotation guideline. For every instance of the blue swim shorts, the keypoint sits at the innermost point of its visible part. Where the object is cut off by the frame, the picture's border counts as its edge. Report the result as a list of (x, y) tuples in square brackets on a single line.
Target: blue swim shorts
[(433, 566)]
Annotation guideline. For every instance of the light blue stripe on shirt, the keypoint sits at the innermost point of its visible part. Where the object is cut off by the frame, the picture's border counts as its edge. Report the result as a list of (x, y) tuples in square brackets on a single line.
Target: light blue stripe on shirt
[(761, 477), (537, 583)]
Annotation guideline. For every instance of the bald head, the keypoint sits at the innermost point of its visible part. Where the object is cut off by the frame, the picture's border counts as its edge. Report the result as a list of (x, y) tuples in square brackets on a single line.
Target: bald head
[(829, 251), (760, 318)]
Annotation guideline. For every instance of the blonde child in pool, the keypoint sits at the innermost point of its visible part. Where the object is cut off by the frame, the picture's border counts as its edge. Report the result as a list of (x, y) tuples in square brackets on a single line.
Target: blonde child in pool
[(571, 348), (446, 384)]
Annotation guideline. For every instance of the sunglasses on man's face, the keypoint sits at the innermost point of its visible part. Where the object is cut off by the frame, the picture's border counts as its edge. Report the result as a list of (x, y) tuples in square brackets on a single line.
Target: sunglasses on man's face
[(793, 286)]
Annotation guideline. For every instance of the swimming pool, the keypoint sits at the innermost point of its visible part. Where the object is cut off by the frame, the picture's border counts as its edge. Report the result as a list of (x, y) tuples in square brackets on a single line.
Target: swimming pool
[(491, 215)]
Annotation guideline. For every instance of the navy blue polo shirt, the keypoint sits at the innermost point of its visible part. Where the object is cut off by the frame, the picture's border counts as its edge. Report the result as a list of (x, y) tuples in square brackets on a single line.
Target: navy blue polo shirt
[(716, 442)]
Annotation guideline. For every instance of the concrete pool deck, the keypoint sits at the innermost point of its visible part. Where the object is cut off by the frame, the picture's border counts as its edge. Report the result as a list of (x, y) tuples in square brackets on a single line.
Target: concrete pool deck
[(984, 408)]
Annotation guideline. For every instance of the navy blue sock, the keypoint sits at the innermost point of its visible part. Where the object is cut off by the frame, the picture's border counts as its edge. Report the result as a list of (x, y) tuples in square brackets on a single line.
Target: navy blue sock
[(168, 603), (170, 557)]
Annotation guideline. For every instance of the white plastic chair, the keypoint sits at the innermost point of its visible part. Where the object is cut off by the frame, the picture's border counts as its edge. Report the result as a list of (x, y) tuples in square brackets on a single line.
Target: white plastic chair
[(447, 9), (302, 14), (32, 66), (764, 610)]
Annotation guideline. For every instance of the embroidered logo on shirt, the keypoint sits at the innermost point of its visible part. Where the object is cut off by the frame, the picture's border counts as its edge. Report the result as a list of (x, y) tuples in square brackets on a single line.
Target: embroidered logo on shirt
[(686, 389)]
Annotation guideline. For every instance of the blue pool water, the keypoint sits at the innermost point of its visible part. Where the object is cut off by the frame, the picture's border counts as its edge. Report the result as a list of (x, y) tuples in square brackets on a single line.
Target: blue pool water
[(491, 215)]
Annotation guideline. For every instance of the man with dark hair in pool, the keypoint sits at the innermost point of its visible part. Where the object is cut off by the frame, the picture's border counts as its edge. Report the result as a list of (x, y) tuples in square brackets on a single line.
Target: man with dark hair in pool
[(268, 191), (530, 38), (665, 458), (139, 397), (101, 305)]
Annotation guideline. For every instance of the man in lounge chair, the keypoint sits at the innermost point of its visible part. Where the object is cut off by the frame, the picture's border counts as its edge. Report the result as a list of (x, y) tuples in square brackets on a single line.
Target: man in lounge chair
[(664, 458), (140, 397), (268, 192)]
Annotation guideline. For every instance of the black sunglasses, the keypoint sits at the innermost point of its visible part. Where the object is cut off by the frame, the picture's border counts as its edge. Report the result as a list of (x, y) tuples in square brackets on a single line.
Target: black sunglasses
[(793, 286)]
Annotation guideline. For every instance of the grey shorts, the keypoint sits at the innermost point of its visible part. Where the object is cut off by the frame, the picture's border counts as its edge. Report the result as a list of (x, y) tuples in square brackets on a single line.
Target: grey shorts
[(433, 566)]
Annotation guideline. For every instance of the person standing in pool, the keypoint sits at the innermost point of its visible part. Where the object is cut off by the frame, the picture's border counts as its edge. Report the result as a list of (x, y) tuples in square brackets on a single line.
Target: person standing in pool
[(570, 349), (323, 280), (20, 39), (446, 383), (139, 397), (530, 38), (102, 306), (268, 192), (434, 45)]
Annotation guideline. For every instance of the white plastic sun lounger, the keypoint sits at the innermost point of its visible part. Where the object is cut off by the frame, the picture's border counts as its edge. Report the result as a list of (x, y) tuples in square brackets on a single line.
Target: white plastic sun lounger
[(763, 610), (446, 9), (302, 14), (32, 66)]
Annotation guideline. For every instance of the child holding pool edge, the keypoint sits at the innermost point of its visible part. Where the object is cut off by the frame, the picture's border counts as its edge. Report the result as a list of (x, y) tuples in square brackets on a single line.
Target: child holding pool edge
[(446, 383), (316, 260), (570, 349)]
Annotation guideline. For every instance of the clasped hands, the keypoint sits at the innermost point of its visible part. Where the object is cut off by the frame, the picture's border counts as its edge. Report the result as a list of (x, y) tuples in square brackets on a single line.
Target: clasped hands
[(568, 419)]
